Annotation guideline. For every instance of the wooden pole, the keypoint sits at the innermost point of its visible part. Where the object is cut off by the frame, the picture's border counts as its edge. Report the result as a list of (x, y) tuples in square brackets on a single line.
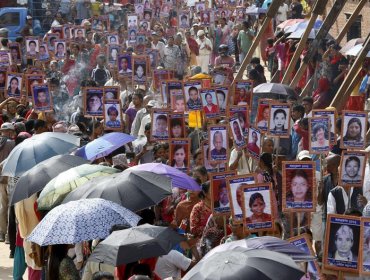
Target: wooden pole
[(342, 93), (350, 21), (317, 10), (270, 15), (307, 88)]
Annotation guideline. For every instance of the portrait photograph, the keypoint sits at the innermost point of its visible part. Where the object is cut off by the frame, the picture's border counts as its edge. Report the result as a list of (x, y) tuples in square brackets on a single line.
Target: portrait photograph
[(160, 125), (139, 9), (113, 115), (263, 114), (192, 95), (50, 39), (32, 47), (184, 20), (5, 58), (342, 239), (254, 142), (222, 94), (180, 154), (219, 194), (165, 10), (299, 186), (60, 49), (140, 65), (239, 14), (148, 14), (2, 78), (140, 39), (176, 93), (205, 18), (124, 65), (153, 57), (354, 128), (94, 102), (279, 120), (365, 247), (319, 131), (132, 21), (331, 114), (100, 23), (211, 166), (114, 51), (113, 39), (14, 84), (31, 80), (352, 168), (219, 143), (41, 98), (111, 93), (243, 115), (200, 6), (210, 103), (239, 141), (257, 207), (177, 126), (43, 54), (132, 37), (144, 27), (15, 52), (79, 34), (220, 77), (67, 31), (235, 185), (243, 91)]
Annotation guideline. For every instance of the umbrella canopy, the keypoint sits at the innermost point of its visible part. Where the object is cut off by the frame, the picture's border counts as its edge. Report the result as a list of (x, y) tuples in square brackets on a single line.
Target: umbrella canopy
[(274, 88), (302, 26), (136, 190), (37, 149), (82, 220), (141, 242), (58, 188), (242, 263), (350, 44), (289, 22), (299, 33), (38, 176), (356, 50), (254, 10), (104, 145), (264, 242), (179, 178)]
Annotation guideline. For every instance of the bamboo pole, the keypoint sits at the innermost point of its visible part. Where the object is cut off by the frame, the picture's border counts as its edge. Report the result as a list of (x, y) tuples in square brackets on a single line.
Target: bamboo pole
[(342, 93), (307, 88), (317, 10), (270, 15)]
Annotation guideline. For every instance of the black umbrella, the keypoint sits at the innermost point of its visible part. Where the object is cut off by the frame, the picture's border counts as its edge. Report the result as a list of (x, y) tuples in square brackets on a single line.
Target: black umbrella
[(243, 263), (35, 179), (136, 190), (130, 245)]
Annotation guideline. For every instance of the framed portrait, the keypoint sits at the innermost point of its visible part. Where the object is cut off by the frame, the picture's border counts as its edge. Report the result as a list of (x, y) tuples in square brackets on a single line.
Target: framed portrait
[(160, 125), (60, 49), (177, 125), (235, 185), (263, 114), (303, 243), (148, 14), (331, 115), (144, 27), (79, 34), (43, 54), (165, 10), (31, 80), (279, 120), (57, 30), (222, 13), (32, 46), (139, 9), (365, 247), (113, 39), (15, 52), (218, 142), (205, 18), (220, 202), (254, 142), (132, 21), (124, 63), (220, 77), (94, 102), (100, 23), (342, 241), (42, 101), (113, 115), (50, 39), (257, 207), (222, 94), (67, 32), (210, 103), (354, 128), (352, 168), (153, 57), (113, 52), (164, 94), (140, 39), (200, 6), (192, 96), (140, 65), (243, 92), (299, 186), (319, 131), (243, 115), (176, 93), (180, 154), (5, 58), (208, 164), (239, 140), (184, 20), (13, 84), (111, 93)]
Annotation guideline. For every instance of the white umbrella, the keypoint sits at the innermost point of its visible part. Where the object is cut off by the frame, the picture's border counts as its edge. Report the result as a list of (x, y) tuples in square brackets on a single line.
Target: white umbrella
[(299, 33), (356, 50)]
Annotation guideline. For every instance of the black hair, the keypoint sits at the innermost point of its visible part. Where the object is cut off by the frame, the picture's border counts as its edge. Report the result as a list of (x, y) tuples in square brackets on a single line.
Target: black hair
[(54, 81), (207, 95), (353, 158), (147, 126), (161, 117), (175, 122), (254, 197), (308, 99), (100, 275), (39, 124), (255, 60), (32, 41), (278, 111), (204, 190), (112, 109), (299, 108), (221, 92), (319, 126)]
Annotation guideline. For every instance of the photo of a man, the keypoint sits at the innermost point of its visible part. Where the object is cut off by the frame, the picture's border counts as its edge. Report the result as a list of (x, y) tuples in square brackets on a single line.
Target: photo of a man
[(124, 65), (218, 139), (343, 244), (223, 199)]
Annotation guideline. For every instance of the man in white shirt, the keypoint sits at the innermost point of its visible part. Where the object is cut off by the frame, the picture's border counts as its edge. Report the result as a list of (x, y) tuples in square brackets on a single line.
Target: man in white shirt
[(172, 264), (158, 45), (205, 50), (282, 14)]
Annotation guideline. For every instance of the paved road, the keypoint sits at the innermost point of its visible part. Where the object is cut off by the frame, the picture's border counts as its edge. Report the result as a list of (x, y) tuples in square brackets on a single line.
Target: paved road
[(6, 264)]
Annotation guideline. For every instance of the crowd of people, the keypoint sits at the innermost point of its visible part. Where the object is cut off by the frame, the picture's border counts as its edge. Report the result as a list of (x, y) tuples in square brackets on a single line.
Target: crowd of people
[(161, 71)]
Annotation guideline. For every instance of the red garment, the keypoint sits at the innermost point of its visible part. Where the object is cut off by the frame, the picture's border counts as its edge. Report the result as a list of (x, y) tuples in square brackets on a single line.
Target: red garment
[(213, 110), (304, 134), (34, 274), (198, 218), (18, 239), (68, 66), (193, 46), (322, 88), (355, 103)]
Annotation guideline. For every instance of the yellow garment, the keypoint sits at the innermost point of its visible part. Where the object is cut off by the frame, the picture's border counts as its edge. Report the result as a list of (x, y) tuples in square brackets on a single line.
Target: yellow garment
[(195, 119), (200, 76), (356, 90), (95, 8)]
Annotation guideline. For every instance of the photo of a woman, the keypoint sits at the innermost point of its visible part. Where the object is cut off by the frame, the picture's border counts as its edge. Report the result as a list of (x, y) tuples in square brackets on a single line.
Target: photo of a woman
[(177, 128), (209, 107), (94, 104), (300, 189), (13, 86), (352, 170), (179, 157), (279, 119), (354, 131), (263, 123), (257, 206), (319, 135)]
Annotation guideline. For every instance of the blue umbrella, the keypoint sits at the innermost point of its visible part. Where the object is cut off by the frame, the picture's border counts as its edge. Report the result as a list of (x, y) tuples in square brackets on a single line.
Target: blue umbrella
[(37, 149), (81, 220), (104, 145)]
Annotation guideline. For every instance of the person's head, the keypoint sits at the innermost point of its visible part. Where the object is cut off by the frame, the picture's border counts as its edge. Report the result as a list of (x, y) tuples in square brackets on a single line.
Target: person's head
[(254, 137), (171, 41), (137, 99), (161, 123), (179, 155), (218, 140), (140, 71), (176, 128), (11, 107), (42, 50), (222, 193), (193, 93), (102, 275), (204, 193), (221, 97), (2, 77), (200, 172), (179, 103), (279, 118), (112, 113), (265, 162), (320, 132), (32, 45), (257, 204), (94, 102), (209, 98), (307, 103), (60, 48), (352, 166), (101, 60), (268, 145), (237, 130), (354, 129), (297, 112), (184, 19), (14, 84), (41, 96), (40, 126), (266, 113), (124, 63), (56, 254), (344, 240), (158, 151), (112, 39), (299, 185), (246, 25), (114, 53)]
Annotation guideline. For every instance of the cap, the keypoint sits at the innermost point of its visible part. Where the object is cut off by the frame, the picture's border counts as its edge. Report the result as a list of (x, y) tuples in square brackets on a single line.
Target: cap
[(303, 154), (200, 33), (28, 17), (7, 126), (152, 103)]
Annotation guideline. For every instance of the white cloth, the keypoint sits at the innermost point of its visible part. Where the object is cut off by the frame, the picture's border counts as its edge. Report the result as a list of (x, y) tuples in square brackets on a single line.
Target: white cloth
[(171, 265), (331, 203), (243, 164), (282, 14)]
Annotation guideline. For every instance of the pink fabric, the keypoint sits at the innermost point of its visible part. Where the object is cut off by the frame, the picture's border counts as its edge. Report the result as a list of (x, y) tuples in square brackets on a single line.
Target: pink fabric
[(34, 274)]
